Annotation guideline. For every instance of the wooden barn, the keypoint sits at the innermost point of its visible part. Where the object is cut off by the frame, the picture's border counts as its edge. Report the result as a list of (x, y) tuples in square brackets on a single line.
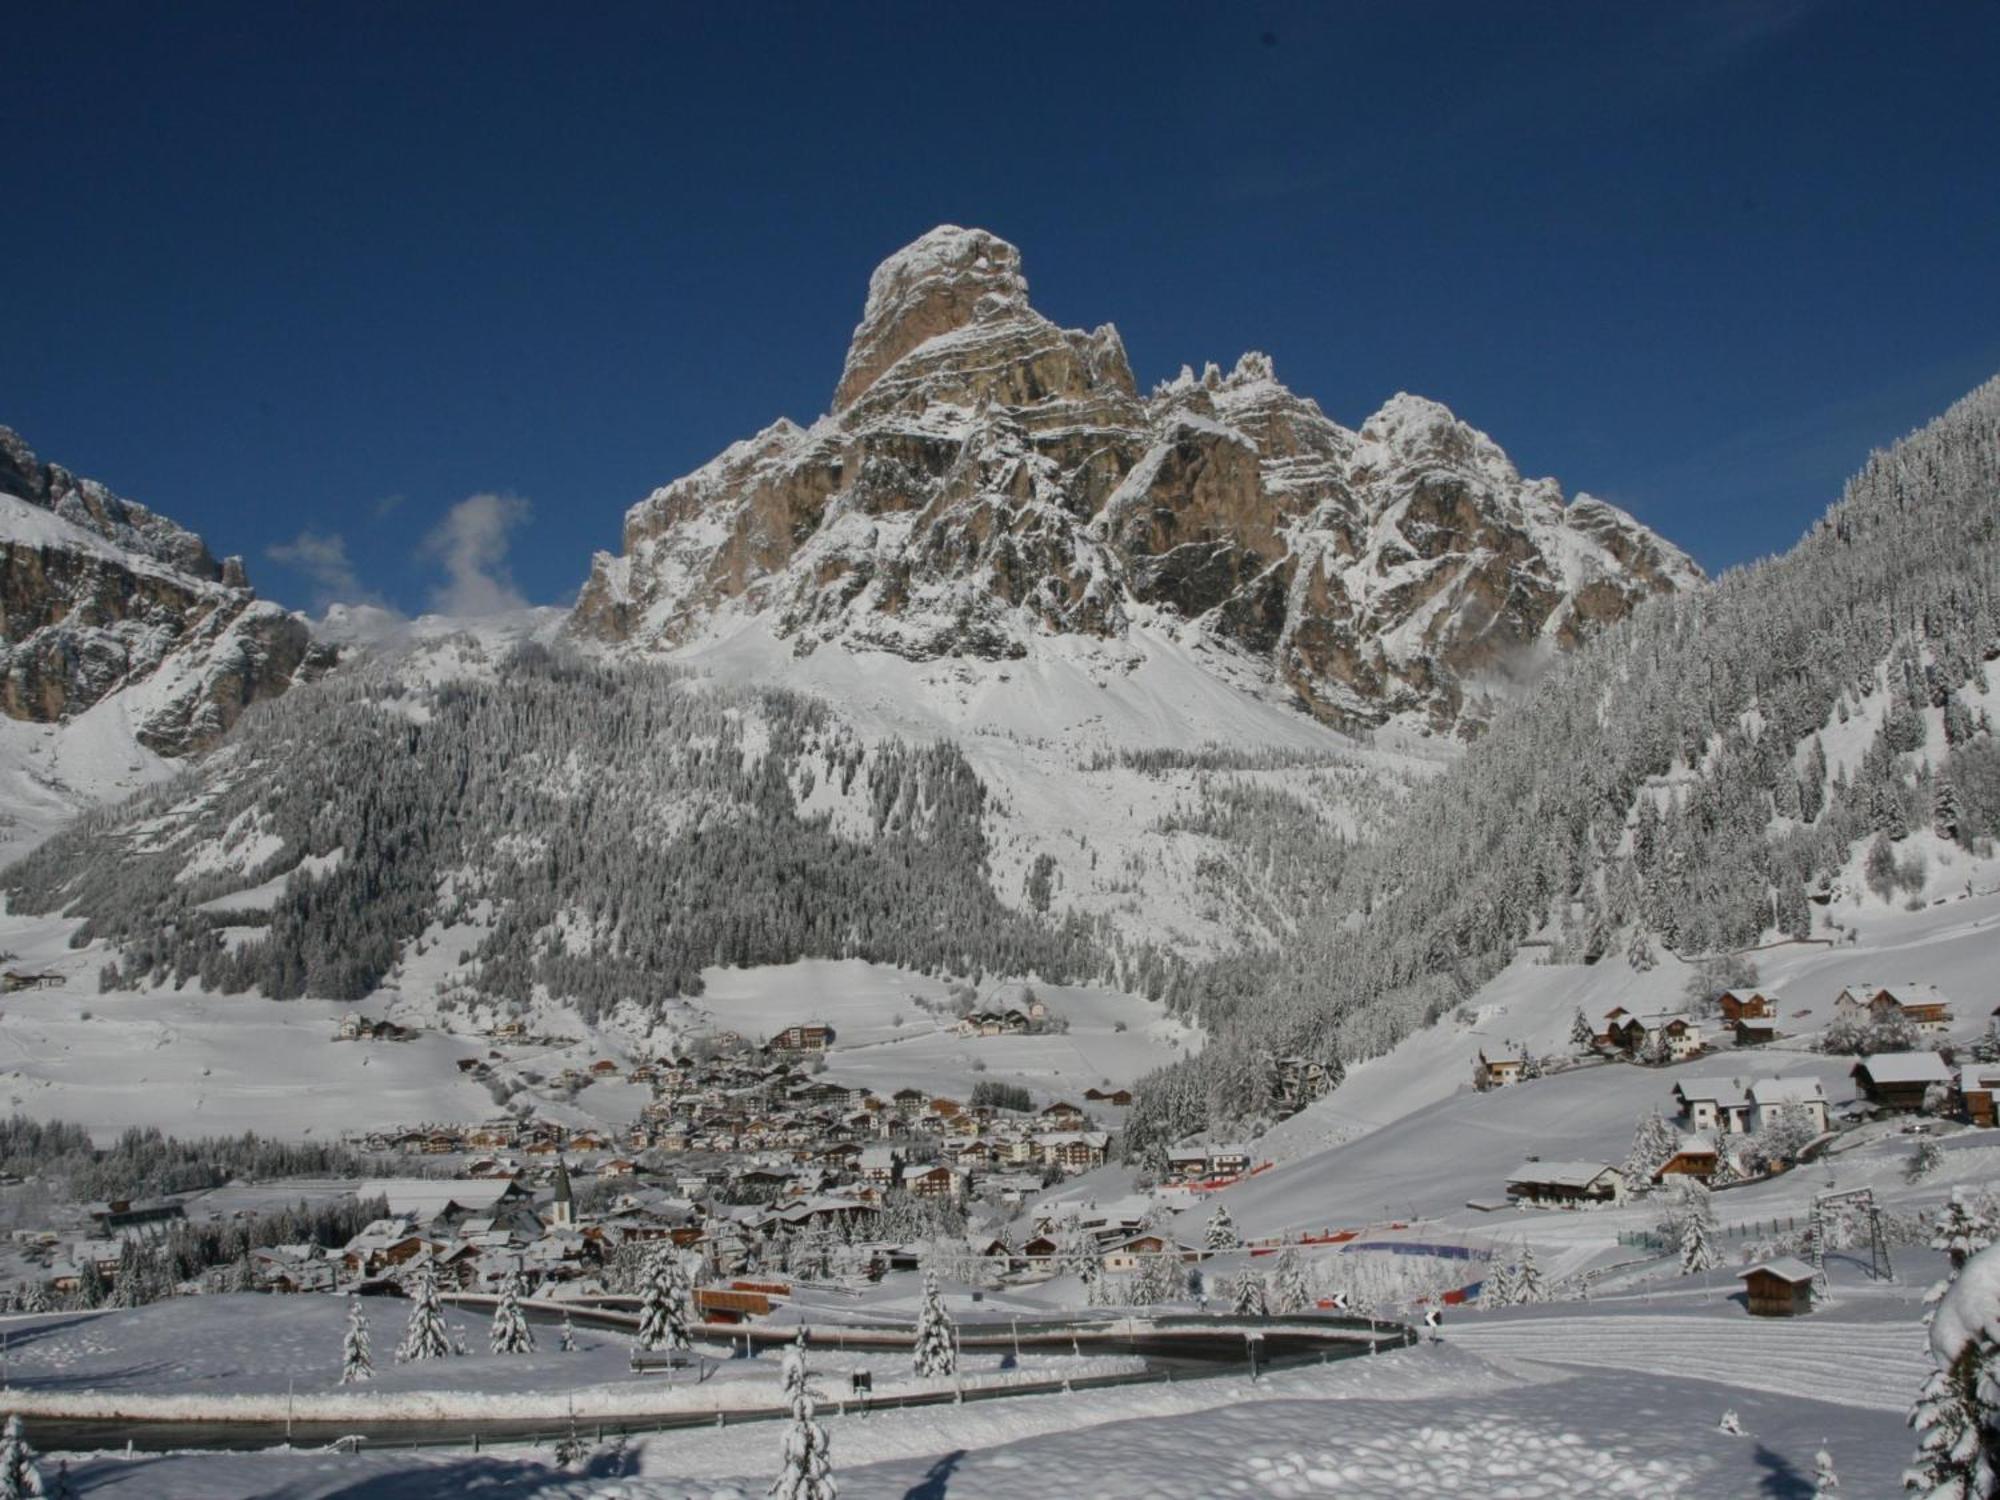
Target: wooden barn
[(1780, 1288)]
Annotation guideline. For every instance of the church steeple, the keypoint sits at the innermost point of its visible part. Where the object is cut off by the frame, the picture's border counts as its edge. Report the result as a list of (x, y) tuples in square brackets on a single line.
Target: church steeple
[(562, 1213)]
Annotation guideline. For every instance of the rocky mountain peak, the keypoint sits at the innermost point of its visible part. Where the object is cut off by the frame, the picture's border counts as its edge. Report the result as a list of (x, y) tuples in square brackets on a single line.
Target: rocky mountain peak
[(988, 479), (100, 596), (942, 282)]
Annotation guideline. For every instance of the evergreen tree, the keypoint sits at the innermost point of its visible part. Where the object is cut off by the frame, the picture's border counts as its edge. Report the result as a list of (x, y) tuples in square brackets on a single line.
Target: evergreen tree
[(511, 1334), (1654, 1142), (1528, 1285), (1825, 1480), (1076, 1253), (1698, 1251), (1502, 1285), (20, 1477), (426, 1336), (1289, 1289), (806, 1457), (1222, 1233), (1956, 1413), (1581, 1037), (1962, 1229), (1247, 1299), (663, 1303), (1928, 1158), (935, 1350), (355, 1364)]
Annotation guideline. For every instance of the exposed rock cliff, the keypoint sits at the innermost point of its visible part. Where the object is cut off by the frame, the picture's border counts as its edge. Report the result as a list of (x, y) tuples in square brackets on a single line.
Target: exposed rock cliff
[(986, 478), (99, 596)]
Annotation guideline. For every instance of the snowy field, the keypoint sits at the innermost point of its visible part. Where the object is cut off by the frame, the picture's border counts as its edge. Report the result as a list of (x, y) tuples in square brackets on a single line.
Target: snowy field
[(885, 1040), (199, 1064), (247, 1357), (1432, 1421)]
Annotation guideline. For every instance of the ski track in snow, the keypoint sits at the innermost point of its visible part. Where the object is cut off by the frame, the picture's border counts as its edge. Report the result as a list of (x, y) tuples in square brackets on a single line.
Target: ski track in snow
[(1875, 1365)]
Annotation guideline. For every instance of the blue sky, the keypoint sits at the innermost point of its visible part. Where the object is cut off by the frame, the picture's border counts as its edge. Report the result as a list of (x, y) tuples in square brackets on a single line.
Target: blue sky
[(334, 269)]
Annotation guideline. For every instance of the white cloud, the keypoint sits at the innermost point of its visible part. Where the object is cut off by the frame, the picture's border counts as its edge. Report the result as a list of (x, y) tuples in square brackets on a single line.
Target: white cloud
[(471, 545), (321, 557)]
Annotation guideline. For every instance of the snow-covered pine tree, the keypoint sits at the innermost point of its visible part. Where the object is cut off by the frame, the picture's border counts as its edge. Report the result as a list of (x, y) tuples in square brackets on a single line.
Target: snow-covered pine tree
[(663, 1300), (1247, 1299), (1957, 1414), (935, 1350), (511, 1333), (806, 1457), (20, 1477), (1697, 1245), (1289, 1288), (1581, 1037), (1528, 1285), (1502, 1285), (1962, 1229), (426, 1336), (1639, 952), (1653, 1142), (1825, 1480), (355, 1363), (1076, 1253), (1928, 1158), (1222, 1233)]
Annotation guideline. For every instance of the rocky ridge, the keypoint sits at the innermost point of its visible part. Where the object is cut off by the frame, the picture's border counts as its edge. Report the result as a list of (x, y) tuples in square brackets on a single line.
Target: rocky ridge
[(986, 479), (100, 597)]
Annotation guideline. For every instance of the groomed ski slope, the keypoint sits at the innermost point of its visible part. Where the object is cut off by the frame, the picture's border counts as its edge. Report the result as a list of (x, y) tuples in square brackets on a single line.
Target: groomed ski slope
[(1871, 1365)]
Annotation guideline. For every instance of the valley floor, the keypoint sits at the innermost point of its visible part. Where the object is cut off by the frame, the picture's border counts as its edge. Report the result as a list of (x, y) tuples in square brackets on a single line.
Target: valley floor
[(1440, 1419)]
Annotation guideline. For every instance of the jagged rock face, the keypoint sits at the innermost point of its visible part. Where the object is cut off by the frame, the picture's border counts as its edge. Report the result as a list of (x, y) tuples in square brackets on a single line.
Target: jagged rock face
[(101, 596), (986, 478)]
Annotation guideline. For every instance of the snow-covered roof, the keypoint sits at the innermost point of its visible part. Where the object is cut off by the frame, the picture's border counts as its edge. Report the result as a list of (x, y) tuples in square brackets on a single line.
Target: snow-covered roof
[(1905, 1067), (1787, 1091), (426, 1198), (1784, 1267), (1577, 1174), (1902, 994), (1711, 1090)]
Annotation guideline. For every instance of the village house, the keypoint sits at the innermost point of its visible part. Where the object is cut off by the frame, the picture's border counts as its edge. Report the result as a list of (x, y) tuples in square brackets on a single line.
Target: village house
[(1977, 1087), (1116, 1098), (1747, 1005), (1495, 1072), (1924, 1006), (1754, 1031), (1714, 1104), (1566, 1184), (1130, 1254), (1071, 1152), (1297, 1081), (16, 979), (1771, 1097), (813, 1036), (1899, 1080), (1693, 1157), (933, 1182), (1780, 1288)]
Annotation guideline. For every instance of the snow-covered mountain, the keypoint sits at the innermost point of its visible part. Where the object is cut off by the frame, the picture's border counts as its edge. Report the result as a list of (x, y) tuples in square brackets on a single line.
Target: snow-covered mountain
[(123, 643), (988, 483)]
